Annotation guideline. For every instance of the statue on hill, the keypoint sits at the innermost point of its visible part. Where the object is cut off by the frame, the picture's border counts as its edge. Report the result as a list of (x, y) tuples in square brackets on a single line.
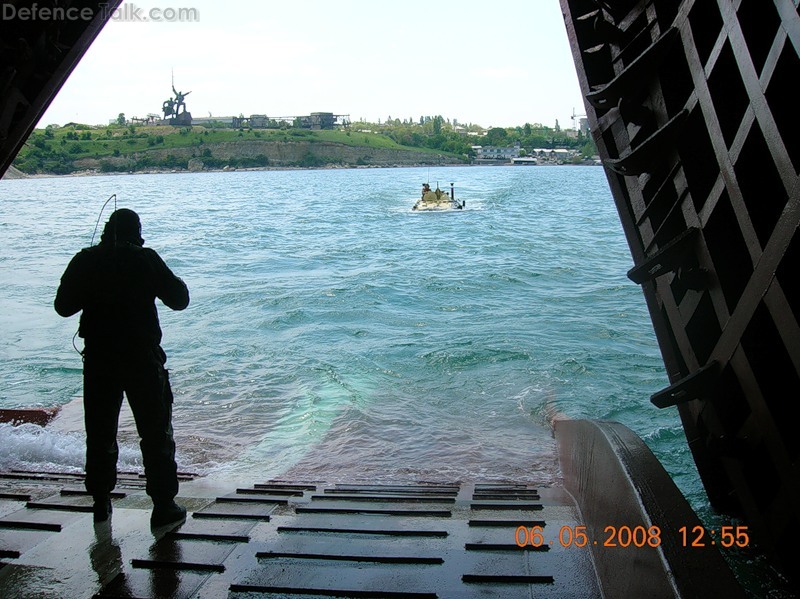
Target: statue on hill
[(175, 109), (168, 107), (179, 96)]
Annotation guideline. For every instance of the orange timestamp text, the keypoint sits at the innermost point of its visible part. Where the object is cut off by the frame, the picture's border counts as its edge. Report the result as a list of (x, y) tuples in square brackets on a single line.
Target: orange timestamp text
[(632, 536)]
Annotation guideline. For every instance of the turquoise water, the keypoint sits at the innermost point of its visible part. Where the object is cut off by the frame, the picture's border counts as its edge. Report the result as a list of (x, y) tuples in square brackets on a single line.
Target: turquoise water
[(333, 333)]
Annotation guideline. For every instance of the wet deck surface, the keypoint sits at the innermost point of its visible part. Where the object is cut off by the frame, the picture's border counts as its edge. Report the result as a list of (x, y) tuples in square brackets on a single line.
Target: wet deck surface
[(282, 539)]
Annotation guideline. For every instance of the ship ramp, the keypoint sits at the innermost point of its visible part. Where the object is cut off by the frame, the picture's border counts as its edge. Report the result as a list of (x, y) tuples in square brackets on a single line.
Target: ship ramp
[(611, 530)]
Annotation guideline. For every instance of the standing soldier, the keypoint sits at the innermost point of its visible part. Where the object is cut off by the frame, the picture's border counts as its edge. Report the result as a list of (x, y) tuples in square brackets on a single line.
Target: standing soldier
[(115, 283)]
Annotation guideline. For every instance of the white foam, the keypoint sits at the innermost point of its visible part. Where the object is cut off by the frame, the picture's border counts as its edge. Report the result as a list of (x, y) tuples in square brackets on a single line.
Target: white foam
[(32, 447), (61, 445)]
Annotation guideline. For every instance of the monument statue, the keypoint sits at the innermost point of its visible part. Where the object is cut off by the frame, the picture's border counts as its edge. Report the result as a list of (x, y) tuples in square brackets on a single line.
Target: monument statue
[(168, 107), (179, 96), (174, 109)]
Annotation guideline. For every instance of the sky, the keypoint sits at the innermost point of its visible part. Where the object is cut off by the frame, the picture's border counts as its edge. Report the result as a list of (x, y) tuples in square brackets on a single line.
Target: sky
[(495, 64)]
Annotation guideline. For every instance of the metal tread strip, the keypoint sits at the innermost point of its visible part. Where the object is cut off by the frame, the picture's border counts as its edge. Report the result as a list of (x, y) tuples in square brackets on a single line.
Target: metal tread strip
[(152, 564), (509, 523), (505, 547), (365, 531), (380, 559), (386, 498), (356, 510), (507, 579), (249, 588)]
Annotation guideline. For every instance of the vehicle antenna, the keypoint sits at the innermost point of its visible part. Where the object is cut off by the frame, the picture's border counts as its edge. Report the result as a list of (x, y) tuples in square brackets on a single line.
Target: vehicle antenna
[(113, 196), (99, 216)]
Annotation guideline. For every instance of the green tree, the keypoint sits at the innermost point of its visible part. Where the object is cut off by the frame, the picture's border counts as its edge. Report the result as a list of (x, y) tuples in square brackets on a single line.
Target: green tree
[(496, 136), (589, 149)]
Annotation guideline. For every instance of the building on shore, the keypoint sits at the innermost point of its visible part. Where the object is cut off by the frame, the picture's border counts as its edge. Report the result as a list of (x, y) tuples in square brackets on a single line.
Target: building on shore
[(494, 153), (315, 120), (525, 161)]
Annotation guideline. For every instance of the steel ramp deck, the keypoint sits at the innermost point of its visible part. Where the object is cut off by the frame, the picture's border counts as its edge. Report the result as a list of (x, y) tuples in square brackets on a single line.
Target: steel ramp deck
[(296, 540), (301, 539)]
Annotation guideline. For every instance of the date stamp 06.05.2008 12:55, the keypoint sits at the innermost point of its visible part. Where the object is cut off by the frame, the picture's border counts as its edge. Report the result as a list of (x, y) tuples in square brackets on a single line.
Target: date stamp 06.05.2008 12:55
[(632, 536)]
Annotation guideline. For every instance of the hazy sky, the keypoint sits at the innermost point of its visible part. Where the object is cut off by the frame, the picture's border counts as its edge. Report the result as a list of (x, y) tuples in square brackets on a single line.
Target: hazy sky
[(491, 63)]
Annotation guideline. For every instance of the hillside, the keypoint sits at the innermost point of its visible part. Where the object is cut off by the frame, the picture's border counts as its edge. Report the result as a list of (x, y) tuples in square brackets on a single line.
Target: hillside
[(80, 148)]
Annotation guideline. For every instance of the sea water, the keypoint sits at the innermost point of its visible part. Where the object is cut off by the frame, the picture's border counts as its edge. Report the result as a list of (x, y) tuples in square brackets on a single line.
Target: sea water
[(335, 334)]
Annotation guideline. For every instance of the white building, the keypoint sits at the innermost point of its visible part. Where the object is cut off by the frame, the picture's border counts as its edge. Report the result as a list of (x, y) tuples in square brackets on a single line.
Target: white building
[(495, 153)]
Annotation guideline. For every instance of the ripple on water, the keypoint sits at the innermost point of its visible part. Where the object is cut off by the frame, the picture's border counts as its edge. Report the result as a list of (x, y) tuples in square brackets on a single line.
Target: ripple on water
[(333, 332)]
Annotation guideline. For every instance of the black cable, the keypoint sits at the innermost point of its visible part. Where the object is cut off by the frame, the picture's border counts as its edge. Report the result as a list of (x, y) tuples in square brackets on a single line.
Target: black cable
[(99, 216), (97, 224)]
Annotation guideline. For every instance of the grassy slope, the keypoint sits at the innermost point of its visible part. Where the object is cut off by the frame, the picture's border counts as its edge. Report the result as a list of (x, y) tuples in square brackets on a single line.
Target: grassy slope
[(105, 142)]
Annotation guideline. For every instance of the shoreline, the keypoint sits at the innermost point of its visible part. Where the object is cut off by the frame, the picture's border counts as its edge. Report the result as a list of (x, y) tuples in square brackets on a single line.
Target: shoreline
[(96, 173)]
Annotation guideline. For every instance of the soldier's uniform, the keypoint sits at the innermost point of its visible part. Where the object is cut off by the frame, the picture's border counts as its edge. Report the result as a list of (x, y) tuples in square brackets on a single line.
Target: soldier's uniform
[(115, 284)]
